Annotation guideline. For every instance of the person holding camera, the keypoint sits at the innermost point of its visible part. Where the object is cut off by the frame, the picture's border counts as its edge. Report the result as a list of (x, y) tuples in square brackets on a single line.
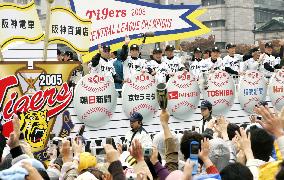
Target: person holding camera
[(137, 131)]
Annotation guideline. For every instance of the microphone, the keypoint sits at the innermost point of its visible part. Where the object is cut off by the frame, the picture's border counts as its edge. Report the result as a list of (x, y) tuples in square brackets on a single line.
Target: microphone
[(162, 95), (149, 34)]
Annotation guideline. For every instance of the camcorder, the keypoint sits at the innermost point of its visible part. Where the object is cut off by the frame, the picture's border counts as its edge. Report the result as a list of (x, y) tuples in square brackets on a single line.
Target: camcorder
[(162, 95)]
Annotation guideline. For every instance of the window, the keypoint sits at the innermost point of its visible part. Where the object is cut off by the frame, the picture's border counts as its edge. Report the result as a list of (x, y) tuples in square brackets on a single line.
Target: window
[(212, 2), (8, 0), (216, 23)]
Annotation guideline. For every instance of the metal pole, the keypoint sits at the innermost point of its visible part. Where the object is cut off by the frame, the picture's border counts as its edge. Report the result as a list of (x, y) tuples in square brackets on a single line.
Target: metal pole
[(47, 24)]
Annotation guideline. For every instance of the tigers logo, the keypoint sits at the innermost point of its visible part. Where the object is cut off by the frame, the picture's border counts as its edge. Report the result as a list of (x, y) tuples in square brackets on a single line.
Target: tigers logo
[(34, 125), (37, 95)]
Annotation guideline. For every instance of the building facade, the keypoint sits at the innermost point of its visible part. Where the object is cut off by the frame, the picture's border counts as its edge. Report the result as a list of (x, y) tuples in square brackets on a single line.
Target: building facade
[(273, 29)]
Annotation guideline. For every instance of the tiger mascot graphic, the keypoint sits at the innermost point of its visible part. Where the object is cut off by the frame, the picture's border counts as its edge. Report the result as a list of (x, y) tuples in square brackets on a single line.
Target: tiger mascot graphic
[(34, 125)]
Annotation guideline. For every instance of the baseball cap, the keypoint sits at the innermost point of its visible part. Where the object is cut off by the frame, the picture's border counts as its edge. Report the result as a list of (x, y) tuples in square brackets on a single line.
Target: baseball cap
[(197, 50), (215, 49), (134, 47), (170, 48), (206, 104), (106, 48), (230, 45), (69, 53), (136, 116), (269, 44), (256, 49), (157, 50)]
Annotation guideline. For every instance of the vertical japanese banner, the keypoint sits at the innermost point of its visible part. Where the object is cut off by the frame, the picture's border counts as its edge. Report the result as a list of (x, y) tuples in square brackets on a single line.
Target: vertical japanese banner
[(69, 29), (112, 20), (19, 23)]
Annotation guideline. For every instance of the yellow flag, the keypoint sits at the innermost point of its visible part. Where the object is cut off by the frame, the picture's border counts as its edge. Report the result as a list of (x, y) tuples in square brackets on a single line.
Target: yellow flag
[(69, 29), (19, 23)]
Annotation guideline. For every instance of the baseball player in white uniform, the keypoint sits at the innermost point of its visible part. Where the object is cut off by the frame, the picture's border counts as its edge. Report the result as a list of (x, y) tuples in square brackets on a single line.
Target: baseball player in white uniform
[(254, 62), (157, 67), (215, 62), (133, 63), (232, 60), (174, 63), (270, 63), (103, 65), (194, 65)]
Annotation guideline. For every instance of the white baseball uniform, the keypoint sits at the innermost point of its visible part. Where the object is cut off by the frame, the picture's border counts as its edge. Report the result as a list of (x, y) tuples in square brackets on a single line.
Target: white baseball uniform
[(216, 65), (132, 66), (174, 64), (104, 68), (232, 62), (161, 70), (251, 64), (272, 61), (194, 67)]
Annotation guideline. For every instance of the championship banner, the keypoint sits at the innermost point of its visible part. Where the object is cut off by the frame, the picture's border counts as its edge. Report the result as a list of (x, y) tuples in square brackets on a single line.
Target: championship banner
[(139, 95), (112, 20), (252, 90), (183, 95), (276, 90), (19, 23), (220, 92), (37, 96), (95, 100), (69, 29)]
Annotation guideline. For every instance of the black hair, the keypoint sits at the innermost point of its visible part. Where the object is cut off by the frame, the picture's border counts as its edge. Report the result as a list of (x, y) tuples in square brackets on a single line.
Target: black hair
[(231, 130), (261, 143), (236, 171), (187, 138), (244, 125), (96, 172), (280, 174), (58, 52)]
